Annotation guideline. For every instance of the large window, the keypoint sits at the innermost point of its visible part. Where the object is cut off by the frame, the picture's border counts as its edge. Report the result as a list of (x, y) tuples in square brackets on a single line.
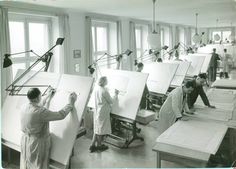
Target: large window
[(181, 38), (28, 33), (141, 33), (224, 35), (104, 41)]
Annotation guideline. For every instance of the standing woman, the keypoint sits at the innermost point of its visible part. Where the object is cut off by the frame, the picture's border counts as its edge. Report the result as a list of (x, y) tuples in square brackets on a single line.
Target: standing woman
[(36, 141), (103, 107)]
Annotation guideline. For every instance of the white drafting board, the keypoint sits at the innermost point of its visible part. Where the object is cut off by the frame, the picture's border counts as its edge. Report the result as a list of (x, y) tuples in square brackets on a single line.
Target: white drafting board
[(196, 64), (206, 62), (225, 83), (203, 136), (160, 76), (203, 112), (221, 98), (180, 73), (131, 86), (63, 132)]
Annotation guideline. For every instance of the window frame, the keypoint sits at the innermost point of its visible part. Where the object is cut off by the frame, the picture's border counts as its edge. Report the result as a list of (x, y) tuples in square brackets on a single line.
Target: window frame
[(26, 19)]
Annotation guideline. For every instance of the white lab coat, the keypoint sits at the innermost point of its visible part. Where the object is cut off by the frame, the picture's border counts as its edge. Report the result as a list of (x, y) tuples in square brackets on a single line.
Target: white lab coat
[(226, 58), (172, 108), (35, 141), (103, 107)]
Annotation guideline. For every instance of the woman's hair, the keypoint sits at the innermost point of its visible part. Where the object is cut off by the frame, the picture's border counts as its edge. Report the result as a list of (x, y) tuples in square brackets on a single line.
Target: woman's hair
[(202, 75), (102, 80), (33, 93)]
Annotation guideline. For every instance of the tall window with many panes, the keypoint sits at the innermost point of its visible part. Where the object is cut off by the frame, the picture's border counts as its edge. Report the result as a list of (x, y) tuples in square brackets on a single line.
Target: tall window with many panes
[(28, 33)]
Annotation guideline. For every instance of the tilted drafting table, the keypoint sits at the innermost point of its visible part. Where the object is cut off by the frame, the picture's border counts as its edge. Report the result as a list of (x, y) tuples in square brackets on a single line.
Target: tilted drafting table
[(180, 73), (190, 143), (160, 76), (196, 64), (206, 61), (63, 132)]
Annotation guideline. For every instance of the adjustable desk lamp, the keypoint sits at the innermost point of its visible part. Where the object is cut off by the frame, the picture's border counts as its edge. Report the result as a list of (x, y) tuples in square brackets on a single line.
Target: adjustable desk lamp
[(15, 89), (118, 57)]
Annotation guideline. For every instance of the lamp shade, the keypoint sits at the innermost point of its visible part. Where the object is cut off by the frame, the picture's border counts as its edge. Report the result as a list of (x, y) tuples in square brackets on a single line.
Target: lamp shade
[(196, 38), (216, 37), (7, 61), (154, 41)]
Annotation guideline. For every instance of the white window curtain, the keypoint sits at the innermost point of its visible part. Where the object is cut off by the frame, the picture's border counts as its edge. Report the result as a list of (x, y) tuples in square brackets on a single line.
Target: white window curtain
[(6, 73), (119, 39), (64, 55), (132, 45), (89, 42)]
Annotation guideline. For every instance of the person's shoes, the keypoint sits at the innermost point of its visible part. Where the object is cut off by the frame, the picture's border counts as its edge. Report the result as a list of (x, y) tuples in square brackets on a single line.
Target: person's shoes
[(102, 147), (93, 149)]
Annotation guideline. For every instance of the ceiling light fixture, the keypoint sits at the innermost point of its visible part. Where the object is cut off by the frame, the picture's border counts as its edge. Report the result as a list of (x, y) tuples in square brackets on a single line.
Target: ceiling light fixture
[(217, 36), (196, 37), (153, 38)]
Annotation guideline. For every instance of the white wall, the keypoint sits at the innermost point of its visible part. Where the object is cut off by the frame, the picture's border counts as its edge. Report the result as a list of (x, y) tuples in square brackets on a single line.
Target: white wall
[(77, 42)]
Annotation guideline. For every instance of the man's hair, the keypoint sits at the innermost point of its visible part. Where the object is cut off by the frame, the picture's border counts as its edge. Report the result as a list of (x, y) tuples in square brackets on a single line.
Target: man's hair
[(202, 75), (214, 49), (225, 50), (33, 93), (189, 83), (140, 64)]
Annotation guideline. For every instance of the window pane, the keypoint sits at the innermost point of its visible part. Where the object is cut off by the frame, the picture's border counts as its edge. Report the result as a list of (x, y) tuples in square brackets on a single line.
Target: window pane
[(214, 33), (226, 35), (38, 66), (102, 63), (15, 68), (17, 38), (101, 38), (138, 38), (38, 38)]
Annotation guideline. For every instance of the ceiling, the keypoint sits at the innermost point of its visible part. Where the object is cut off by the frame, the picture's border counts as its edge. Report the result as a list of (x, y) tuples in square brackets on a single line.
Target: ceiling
[(170, 11)]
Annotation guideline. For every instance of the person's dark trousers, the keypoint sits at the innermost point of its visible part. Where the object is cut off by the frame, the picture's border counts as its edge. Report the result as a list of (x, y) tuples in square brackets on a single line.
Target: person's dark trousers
[(212, 74), (226, 75), (221, 74)]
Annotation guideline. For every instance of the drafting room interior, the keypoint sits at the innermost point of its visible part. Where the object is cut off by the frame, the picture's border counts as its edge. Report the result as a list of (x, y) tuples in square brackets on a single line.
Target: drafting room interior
[(68, 45)]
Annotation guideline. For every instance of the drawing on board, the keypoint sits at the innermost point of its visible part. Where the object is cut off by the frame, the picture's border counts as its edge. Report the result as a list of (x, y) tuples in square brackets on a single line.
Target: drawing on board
[(63, 132), (160, 76), (131, 85)]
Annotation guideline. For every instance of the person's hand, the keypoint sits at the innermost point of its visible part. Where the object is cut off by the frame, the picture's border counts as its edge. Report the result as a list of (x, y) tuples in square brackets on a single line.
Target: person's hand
[(185, 118), (72, 98), (191, 111), (211, 106)]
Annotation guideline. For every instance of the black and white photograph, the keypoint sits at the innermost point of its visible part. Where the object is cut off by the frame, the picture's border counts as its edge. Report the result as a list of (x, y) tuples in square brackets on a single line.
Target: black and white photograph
[(118, 84)]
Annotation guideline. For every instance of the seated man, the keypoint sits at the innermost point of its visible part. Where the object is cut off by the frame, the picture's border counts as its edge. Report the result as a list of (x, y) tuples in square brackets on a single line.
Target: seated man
[(198, 90)]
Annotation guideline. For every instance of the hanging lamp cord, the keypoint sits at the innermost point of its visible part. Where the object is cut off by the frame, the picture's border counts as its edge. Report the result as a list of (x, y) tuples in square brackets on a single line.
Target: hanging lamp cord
[(196, 23), (154, 18)]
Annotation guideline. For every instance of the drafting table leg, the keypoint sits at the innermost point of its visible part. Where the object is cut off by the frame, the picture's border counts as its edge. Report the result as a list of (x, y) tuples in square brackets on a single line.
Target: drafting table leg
[(158, 159)]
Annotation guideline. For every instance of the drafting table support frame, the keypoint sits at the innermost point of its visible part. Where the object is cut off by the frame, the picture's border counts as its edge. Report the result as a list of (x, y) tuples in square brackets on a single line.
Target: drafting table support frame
[(133, 128), (53, 164)]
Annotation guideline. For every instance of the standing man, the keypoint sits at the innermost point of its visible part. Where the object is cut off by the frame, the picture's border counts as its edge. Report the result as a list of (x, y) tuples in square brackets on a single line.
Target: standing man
[(198, 90), (174, 106), (36, 141), (213, 65)]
